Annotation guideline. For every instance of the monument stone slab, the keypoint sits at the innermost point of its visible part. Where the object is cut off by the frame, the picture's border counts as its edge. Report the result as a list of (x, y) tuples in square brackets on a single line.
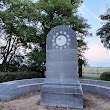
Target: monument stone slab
[(61, 86)]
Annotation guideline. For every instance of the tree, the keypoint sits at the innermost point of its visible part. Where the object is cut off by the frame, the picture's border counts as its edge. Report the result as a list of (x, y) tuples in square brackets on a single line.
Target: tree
[(104, 31), (17, 29), (24, 22), (37, 60), (58, 12), (82, 46)]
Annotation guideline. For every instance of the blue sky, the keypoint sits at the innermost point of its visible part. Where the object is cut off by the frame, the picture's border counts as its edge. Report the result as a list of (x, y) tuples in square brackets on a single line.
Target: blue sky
[(97, 55)]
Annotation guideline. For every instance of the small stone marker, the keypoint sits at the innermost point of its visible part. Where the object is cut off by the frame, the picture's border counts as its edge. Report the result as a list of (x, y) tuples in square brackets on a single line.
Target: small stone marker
[(61, 87)]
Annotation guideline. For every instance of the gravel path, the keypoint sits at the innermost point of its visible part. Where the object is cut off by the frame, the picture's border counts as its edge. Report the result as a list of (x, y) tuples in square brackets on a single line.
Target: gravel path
[(31, 102)]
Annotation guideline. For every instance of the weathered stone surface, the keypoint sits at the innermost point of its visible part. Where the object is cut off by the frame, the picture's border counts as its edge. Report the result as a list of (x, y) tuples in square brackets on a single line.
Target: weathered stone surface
[(61, 87), (96, 86), (11, 90)]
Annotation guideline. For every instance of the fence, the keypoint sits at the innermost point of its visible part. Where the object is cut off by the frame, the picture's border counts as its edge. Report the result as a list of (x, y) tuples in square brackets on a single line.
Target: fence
[(97, 70)]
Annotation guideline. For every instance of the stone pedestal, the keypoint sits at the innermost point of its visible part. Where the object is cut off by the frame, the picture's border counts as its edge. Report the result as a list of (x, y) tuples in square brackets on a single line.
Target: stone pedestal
[(62, 95), (61, 87)]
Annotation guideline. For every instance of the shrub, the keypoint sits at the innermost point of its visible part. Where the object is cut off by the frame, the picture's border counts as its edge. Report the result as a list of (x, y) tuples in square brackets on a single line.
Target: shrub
[(105, 76), (10, 76)]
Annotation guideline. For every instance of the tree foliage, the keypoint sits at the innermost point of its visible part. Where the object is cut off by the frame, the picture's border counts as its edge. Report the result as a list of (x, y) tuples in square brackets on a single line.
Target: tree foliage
[(24, 23), (37, 59), (104, 31), (58, 12), (16, 28)]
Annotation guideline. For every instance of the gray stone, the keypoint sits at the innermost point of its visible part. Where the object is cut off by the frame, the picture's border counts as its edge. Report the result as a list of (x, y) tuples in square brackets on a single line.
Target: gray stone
[(61, 86), (96, 86), (103, 83), (13, 89)]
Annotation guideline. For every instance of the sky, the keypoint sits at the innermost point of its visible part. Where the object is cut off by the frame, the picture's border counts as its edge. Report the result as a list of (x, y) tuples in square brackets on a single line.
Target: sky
[(97, 55)]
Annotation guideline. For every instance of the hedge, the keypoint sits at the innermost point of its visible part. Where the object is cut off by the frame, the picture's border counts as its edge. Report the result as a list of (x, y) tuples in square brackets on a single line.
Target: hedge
[(105, 76), (10, 76)]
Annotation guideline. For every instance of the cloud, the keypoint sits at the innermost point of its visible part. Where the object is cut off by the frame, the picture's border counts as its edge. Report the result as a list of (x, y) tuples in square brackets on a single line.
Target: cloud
[(97, 53), (87, 12), (98, 56)]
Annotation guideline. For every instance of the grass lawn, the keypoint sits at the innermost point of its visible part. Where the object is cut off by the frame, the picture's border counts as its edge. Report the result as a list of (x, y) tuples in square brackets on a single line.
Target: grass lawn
[(90, 77)]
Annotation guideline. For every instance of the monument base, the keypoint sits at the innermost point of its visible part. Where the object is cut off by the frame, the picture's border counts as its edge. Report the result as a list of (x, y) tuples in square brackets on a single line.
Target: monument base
[(62, 95)]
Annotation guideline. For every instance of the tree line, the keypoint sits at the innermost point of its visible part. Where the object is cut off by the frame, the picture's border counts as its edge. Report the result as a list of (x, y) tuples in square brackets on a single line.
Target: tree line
[(24, 26)]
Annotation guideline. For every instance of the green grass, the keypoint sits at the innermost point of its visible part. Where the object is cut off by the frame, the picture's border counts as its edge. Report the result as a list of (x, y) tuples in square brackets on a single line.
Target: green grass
[(89, 77), (96, 69)]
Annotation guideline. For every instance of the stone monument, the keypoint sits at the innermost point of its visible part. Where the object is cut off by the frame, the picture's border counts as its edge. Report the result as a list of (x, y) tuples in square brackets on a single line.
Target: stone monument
[(61, 86)]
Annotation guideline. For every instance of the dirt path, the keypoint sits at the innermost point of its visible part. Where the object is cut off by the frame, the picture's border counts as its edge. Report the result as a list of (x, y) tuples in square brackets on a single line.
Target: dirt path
[(31, 102)]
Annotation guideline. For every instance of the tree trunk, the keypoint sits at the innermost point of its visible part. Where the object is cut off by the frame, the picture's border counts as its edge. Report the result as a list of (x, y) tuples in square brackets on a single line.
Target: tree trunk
[(80, 70)]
